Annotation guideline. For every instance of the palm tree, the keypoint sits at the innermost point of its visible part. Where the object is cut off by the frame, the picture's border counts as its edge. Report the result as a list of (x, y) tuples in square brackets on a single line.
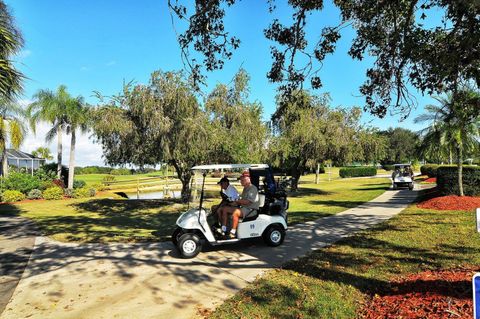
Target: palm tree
[(77, 117), (454, 123), (11, 129), (51, 107), (42, 152), (11, 42)]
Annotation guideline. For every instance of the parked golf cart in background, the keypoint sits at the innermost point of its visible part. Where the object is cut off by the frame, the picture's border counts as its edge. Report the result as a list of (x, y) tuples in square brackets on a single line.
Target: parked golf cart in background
[(402, 176), (270, 221)]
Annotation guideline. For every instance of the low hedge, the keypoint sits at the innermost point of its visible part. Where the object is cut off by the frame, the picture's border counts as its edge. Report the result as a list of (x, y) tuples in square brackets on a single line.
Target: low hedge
[(10, 196), (53, 193), (357, 171), (35, 194), (447, 180), (429, 169)]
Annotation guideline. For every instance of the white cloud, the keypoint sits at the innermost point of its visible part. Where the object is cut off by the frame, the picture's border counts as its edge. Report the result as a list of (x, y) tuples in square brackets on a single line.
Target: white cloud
[(86, 152), (110, 63)]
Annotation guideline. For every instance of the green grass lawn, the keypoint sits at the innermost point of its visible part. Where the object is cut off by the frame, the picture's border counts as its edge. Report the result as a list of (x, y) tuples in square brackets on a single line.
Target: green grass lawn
[(333, 282), (120, 220)]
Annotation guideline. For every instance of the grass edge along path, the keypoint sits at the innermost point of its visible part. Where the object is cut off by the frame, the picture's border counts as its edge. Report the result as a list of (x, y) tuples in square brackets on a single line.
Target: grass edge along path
[(335, 282), (121, 220)]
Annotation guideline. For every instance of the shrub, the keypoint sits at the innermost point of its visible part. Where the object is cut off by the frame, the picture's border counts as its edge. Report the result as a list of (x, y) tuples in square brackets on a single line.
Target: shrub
[(78, 183), (108, 179), (51, 168), (68, 192), (53, 193), (99, 187), (357, 171), (46, 184), (10, 196), (447, 180), (81, 192), (430, 170), (21, 182), (35, 194), (92, 192), (59, 183)]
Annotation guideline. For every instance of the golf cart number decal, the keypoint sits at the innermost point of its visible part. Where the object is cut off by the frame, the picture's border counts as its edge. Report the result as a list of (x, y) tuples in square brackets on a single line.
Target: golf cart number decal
[(254, 234), (252, 226)]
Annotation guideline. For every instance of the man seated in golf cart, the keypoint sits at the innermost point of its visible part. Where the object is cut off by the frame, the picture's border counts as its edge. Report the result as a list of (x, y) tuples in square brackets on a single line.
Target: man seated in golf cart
[(229, 194), (246, 206)]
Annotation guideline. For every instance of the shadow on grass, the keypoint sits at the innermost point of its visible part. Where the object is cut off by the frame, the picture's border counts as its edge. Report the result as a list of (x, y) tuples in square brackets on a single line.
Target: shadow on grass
[(104, 220), (307, 191)]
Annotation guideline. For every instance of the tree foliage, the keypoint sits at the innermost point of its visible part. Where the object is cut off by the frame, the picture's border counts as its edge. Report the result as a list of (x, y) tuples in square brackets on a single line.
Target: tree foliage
[(409, 46), (155, 123), (12, 130), (11, 41), (240, 135), (163, 122), (454, 123), (42, 152), (401, 145), (306, 132)]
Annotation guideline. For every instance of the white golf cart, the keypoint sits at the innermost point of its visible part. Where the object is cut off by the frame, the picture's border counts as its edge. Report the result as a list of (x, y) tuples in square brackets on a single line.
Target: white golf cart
[(269, 221), (402, 176)]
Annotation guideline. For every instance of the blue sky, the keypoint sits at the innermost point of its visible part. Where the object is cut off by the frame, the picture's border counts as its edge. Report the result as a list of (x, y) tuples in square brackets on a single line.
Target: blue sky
[(97, 45)]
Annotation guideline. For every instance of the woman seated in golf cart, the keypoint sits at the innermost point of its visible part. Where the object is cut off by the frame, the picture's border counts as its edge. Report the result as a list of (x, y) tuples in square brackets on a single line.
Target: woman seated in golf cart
[(246, 206)]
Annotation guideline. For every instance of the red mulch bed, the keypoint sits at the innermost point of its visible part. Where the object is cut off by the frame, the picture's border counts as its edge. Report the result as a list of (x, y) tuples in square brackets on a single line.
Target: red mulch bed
[(451, 203), (430, 180), (429, 294)]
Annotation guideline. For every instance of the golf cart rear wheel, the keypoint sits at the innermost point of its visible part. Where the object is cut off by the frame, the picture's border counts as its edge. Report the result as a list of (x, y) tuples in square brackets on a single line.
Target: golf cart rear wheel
[(410, 186), (189, 245), (176, 235), (274, 235)]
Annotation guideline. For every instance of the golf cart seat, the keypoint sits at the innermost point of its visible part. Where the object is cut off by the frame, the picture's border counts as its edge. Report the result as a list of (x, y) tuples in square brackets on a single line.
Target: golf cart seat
[(253, 214)]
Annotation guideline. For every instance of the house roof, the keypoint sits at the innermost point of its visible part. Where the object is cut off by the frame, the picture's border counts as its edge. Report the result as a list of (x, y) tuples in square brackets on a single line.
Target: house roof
[(16, 154)]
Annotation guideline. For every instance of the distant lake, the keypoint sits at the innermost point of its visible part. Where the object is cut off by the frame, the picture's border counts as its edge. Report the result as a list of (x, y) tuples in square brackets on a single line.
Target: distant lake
[(155, 195)]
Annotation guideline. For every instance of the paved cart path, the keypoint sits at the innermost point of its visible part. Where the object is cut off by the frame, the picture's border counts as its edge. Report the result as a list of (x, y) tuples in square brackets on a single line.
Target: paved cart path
[(149, 280)]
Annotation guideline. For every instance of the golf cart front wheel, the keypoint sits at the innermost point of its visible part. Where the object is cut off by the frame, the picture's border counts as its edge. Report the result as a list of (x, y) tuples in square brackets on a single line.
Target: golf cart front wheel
[(410, 186), (176, 235), (189, 245), (274, 236)]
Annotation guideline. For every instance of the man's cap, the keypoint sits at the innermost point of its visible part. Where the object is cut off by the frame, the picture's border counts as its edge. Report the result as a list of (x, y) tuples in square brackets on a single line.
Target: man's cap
[(223, 179), (245, 174)]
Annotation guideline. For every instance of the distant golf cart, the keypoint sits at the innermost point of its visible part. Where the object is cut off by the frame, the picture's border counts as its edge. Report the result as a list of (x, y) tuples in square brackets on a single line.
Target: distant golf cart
[(269, 221), (402, 176)]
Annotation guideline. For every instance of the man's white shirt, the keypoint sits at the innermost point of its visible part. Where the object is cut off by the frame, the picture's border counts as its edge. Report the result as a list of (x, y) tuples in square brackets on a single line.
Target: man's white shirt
[(231, 193)]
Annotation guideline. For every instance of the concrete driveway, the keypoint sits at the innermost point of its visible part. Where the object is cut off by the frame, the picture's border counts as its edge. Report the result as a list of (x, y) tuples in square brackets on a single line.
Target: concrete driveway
[(151, 281)]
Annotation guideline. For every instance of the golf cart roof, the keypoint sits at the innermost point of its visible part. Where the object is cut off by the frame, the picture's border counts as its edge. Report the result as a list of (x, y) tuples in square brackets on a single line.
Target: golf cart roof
[(402, 165), (228, 166)]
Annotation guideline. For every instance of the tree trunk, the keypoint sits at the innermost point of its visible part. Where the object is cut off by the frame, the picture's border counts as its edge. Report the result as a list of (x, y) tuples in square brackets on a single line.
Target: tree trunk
[(317, 172), (450, 155), (71, 165), (4, 163), (460, 170), (185, 175), (296, 173), (59, 152)]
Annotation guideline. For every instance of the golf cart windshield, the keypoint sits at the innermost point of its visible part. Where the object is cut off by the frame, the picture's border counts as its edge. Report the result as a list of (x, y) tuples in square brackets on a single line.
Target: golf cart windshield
[(403, 169)]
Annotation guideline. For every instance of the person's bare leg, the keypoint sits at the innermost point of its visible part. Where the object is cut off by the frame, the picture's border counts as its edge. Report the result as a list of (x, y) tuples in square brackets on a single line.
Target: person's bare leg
[(235, 217), (225, 212)]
